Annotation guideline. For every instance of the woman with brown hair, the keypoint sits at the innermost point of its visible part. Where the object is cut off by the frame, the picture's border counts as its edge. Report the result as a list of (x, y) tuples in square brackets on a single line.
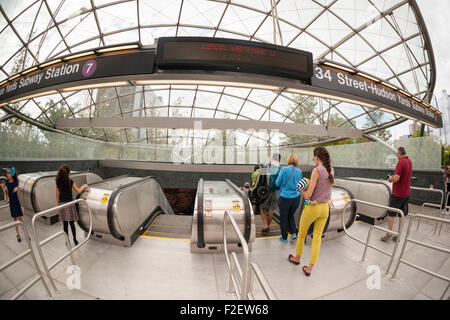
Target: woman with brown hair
[(64, 187), (289, 198), (320, 186)]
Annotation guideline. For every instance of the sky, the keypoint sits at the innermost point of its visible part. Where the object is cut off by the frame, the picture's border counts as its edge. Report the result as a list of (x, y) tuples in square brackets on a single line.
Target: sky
[(436, 14)]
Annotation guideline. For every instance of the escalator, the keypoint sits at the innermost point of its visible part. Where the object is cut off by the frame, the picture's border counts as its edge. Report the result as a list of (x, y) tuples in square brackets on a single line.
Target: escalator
[(123, 208)]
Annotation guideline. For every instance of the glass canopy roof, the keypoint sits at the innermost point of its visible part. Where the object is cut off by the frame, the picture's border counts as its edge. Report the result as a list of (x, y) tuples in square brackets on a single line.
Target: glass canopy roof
[(384, 38)]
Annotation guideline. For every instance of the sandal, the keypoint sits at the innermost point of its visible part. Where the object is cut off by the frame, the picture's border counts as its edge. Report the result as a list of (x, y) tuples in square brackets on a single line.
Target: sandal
[(386, 237), (306, 273), (292, 261), (19, 239), (265, 230)]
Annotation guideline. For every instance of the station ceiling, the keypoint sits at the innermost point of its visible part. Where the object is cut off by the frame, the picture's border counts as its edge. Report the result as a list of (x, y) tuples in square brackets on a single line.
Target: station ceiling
[(384, 38)]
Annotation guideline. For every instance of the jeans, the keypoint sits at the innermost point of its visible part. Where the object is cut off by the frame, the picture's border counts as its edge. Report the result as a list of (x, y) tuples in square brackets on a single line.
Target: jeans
[(287, 210)]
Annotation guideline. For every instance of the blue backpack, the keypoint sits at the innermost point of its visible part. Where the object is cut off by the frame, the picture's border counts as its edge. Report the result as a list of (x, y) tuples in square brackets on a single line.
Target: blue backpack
[(274, 172)]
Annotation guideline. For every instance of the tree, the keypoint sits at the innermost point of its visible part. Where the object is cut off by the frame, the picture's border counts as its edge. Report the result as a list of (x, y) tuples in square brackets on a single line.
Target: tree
[(445, 158), (377, 116), (301, 114)]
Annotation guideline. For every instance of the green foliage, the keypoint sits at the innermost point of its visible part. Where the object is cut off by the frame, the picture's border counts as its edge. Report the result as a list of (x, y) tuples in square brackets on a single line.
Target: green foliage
[(377, 116), (303, 115), (445, 152)]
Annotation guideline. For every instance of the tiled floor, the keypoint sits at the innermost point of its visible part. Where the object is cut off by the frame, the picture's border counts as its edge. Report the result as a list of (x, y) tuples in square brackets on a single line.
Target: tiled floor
[(165, 269)]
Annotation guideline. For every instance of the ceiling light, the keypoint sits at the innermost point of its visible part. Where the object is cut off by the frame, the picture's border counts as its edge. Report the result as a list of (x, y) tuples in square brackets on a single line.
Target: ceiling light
[(16, 76), (389, 85), (367, 77), (119, 48), (97, 85), (330, 96), (29, 70), (208, 83), (50, 63), (79, 55), (34, 96), (405, 93), (337, 66)]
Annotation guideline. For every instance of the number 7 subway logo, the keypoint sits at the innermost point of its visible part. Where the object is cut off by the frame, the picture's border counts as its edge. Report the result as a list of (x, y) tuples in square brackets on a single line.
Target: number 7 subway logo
[(89, 68)]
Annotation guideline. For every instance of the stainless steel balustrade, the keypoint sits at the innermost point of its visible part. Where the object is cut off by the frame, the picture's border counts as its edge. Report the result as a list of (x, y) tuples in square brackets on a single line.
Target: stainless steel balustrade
[(21, 256), (366, 243), (431, 205), (49, 213), (243, 284), (424, 244)]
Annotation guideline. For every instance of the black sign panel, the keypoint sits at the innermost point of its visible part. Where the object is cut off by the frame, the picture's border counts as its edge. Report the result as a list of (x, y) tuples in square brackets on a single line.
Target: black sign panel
[(86, 68), (233, 55), (345, 82)]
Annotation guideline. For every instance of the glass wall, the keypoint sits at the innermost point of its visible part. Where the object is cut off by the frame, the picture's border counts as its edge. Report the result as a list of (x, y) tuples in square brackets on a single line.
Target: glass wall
[(24, 142)]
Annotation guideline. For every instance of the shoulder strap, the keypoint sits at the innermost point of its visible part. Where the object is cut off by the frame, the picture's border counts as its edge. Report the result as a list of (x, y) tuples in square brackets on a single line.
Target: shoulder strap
[(290, 176)]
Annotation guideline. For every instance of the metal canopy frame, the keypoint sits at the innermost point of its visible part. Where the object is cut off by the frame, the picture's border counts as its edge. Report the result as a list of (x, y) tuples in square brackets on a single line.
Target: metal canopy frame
[(54, 32)]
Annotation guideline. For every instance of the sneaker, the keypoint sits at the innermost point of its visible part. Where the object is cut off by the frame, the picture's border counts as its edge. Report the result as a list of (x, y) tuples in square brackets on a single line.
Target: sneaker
[(386, 238), (283, 240), (293, 237)]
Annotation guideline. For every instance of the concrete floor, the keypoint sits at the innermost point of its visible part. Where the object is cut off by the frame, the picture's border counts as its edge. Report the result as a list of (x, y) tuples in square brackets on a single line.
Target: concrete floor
[(165, 269)]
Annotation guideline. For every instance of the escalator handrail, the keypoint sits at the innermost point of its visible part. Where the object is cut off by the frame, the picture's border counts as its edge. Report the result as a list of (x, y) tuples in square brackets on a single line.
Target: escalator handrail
[(247, 213), (112, 197), (374, 181), (33, 190), (200, 229), (107, 180), (352, 219)]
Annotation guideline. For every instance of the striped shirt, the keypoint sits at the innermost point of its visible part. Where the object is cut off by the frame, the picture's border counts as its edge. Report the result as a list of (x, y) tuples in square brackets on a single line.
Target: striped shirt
[(322, 191)]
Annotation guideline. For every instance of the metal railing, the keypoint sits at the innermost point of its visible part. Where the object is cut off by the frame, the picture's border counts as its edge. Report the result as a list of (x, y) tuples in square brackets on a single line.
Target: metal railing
[(427, 245), (430, 205), (242, 284), (21, 256), (50, 213), (366, 243)]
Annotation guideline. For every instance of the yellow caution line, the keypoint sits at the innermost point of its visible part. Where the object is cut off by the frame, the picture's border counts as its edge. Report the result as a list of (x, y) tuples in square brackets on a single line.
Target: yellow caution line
[(271, 237), (172, 226), (181, 234), (276, 231), (162, 238), (152, 223)]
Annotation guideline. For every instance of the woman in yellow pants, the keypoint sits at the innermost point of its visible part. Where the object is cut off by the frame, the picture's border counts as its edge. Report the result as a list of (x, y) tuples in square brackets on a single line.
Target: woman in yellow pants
[(319, 191)]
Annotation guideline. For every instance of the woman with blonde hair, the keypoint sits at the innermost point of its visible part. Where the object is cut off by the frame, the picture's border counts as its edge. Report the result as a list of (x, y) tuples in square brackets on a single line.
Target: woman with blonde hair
[(289, 197), (319, 189)]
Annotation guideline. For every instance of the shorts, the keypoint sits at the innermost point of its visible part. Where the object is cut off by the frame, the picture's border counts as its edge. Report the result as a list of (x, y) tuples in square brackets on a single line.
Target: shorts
[(399, 203), (271, 202)]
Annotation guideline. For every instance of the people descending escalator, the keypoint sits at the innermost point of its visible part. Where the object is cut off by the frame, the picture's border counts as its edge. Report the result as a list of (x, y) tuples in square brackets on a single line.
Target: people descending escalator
[(254, 199), (64, 186), (270, 203), (289, 199)]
